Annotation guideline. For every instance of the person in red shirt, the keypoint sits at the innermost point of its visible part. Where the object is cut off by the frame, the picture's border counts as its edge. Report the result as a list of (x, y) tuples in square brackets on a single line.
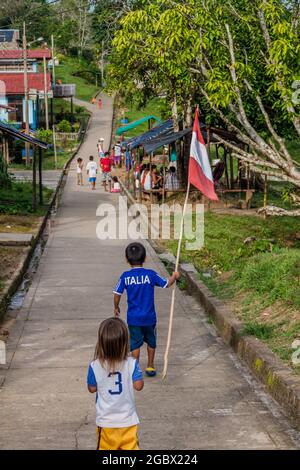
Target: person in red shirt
[(106, 169)]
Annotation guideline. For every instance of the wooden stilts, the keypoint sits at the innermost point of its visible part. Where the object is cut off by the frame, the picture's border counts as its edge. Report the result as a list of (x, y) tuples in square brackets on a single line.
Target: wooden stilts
[(7, 151), (208, 141), (4, 149), (151, 195), (248, 176), (40, 178), (164, 175), (34, 180), (54, 145), (231, 171), (217, 151), (226, 169), (265, 194), (140, 180)]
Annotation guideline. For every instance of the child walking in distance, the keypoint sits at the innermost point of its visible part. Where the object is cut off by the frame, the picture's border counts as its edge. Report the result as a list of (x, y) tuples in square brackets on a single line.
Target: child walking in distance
[(116, 185), (79, 169), (106, 169), (141, 316), (114, 376), (92, 169)]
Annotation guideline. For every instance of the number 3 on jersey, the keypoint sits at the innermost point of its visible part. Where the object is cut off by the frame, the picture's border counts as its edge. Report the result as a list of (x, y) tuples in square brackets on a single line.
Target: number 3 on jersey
[(118, 384)]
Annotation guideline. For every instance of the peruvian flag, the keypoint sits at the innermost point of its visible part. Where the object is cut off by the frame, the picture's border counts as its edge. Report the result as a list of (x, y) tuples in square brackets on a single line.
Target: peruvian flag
[(200, 174)]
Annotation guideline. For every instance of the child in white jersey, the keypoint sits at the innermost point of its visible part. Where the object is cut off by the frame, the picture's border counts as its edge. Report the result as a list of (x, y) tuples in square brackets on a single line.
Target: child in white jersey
[(92, 170), (113, 375), (79, 169)]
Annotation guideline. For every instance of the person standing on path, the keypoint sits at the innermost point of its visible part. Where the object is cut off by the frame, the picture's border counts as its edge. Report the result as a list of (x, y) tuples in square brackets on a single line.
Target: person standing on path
[(106, 169), (99, 103), (92, 170), (118, 154), (114, 376), (100, 148), (79, 168), (141, 316)]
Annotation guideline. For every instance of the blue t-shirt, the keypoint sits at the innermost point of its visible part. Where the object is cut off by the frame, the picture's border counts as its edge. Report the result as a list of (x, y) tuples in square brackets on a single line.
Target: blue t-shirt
[(139, 284)]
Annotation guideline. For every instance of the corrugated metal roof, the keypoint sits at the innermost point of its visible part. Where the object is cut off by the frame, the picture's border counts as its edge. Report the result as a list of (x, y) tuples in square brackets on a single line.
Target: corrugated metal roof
[(156, 131), (11, 131), (154, 144), (14, 82), (31, 54)]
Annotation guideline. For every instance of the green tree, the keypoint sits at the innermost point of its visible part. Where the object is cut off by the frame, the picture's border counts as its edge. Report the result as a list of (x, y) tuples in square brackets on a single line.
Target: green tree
[(241, 57), (152, 53), (248, 64), (36, 14)]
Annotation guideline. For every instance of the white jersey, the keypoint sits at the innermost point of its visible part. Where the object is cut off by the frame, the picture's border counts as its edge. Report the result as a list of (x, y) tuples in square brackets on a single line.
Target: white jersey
[(118, 150), (115, 404), (92, 168)]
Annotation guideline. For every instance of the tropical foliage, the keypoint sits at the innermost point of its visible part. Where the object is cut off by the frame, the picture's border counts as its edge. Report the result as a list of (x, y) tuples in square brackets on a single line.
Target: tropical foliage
[(4, 175), (238, 59)]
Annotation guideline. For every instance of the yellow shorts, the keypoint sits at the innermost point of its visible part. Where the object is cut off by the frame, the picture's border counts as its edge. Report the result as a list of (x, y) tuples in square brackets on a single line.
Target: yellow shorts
[(117, 438)]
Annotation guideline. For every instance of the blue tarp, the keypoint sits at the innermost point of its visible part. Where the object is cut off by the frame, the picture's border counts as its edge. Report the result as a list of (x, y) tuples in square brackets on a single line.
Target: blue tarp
[(155, 132), (165, 139), (9, 130)]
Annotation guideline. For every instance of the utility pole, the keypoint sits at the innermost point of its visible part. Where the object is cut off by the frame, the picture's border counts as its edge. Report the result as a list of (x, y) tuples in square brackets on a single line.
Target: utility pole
[(34, 180), (102, 65), (53, 58), (54, 145), (26, 94), (37, 109), (46, 94)]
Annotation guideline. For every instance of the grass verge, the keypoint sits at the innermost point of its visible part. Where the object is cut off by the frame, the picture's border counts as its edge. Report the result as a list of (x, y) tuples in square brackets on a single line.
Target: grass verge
[(17, 199), (80, 73), (154, 107), (254, 265), (10, 258)]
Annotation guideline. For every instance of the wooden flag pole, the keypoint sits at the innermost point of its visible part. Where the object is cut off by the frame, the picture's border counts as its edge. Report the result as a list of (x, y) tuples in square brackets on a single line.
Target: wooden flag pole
[(166, 357)]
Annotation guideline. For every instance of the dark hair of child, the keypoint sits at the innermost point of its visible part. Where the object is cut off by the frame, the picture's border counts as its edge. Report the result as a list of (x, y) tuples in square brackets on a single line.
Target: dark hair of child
[(113, 344), (79, 159), (91, 157), (135, 254), (115, 179), (106, 154)]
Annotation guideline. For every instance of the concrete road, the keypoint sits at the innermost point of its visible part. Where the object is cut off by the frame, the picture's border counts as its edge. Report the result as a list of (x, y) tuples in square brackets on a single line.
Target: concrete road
[(50, 177), (208, 400)]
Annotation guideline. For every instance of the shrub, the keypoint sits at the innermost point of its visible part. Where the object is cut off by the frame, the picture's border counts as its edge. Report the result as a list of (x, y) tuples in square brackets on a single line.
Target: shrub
[(64, 126), (45, 135), (5, 180), (76, 126), (80, 110), (258, 330)]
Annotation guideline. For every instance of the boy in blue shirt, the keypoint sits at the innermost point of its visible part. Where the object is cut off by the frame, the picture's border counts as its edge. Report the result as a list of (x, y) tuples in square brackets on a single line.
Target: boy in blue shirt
[(141, 316)]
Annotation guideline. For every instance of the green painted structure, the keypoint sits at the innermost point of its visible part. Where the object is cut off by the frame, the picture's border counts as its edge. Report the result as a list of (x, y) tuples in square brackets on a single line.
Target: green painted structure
[(128, 127)]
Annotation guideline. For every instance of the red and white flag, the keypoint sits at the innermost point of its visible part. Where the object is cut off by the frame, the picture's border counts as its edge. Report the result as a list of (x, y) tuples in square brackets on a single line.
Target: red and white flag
[(200, 174)]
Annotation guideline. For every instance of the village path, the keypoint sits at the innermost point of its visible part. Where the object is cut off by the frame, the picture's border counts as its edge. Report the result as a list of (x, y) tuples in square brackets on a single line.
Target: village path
[(208, 401)]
